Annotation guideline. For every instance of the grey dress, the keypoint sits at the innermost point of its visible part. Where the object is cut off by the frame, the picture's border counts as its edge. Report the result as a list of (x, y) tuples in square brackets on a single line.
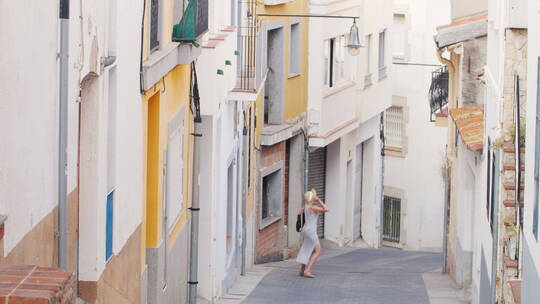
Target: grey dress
[(311, 239)]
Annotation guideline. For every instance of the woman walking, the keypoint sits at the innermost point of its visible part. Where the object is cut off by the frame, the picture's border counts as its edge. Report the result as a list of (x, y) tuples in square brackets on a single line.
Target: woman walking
[(311, 249)]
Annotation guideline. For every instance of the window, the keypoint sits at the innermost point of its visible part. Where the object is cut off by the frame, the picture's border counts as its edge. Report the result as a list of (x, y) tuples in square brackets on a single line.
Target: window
[(382, 64), (109, 226), (271, 197), (154, 25), (394, 128), (367, 78), (537, 156), (175, 170), (391, 219), (399, 32), (334, 60), (294, 52)]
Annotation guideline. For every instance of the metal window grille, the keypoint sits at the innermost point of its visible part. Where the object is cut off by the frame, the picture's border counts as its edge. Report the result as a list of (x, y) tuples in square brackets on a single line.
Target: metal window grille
[(394, 127), (438, 91), (252, 61), (154, 25), (391, 219)]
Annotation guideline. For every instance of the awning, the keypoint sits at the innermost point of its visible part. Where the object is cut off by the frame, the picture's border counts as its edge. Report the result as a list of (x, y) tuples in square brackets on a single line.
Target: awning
[(470, 124)]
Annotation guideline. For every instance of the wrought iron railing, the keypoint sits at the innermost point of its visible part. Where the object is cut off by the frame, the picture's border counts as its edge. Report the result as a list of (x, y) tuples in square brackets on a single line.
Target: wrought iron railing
[(391, 219), (194, 22), (251, 65), (438, 91)]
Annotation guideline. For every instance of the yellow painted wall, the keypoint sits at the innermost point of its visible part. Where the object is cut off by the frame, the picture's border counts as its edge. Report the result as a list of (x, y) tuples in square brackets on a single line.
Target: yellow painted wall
[(167, 97), (296, 87)]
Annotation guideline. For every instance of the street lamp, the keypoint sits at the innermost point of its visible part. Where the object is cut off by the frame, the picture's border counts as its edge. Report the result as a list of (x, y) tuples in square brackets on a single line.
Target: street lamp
[(353, 43)]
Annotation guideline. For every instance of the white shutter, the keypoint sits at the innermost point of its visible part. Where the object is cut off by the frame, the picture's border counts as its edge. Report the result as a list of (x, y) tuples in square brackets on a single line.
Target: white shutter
[(175, 170)]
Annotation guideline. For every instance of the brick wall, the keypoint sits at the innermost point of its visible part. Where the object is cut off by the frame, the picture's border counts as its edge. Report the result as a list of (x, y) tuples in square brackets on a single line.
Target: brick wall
[(35, 285), (270, 241)]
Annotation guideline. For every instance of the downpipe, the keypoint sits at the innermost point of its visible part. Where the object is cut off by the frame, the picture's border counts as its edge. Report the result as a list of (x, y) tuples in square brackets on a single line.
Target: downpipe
[(62, 133), (244, 198), (195, 204), (381, 217)]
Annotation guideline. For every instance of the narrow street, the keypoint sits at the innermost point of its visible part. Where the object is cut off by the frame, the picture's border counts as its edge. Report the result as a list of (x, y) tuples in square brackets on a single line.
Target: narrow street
[(358, 276)]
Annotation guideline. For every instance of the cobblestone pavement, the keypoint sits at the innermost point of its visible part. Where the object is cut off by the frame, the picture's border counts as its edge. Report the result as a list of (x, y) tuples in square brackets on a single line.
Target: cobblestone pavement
[(385, 276)]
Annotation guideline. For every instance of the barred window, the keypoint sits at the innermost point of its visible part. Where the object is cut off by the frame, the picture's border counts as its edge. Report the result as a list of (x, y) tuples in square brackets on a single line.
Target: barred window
[(393, 127)]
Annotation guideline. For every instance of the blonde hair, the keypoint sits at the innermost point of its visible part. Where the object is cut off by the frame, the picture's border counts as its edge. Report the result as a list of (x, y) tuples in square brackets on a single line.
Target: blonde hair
[(309, 196)]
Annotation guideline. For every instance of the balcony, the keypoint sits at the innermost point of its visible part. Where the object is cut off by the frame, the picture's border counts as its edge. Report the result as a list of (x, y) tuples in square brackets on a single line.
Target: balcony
[(251, 65), (194, 22), (438, 91)]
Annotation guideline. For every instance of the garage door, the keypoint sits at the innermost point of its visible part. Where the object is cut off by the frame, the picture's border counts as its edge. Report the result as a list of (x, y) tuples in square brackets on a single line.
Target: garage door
[(317, 180)]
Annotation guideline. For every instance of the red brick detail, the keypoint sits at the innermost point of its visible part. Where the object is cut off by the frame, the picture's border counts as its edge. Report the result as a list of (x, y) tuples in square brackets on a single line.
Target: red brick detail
[(26, 284), (515, 286), (229, 29), (221, 37), (1, 231), (270, 241), (212, 44)]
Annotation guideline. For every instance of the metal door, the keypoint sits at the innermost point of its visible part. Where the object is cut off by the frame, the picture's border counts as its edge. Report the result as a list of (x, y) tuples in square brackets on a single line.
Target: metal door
[(317, 180), (357, 220), (391, 219)]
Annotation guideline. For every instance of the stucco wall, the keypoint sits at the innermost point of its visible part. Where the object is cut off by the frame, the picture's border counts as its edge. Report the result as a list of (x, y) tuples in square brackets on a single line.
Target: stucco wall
[(462, 9), (423, 195)]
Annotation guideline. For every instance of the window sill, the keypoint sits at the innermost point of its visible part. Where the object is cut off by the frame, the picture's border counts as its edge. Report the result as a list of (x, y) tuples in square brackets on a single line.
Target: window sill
[(394, 151), (338, 88), (292, 75), (276, 2), (268, 221)]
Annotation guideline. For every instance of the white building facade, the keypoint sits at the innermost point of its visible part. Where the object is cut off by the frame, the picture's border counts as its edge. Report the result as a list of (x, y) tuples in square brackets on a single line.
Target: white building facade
[(531, 245), (103, 148), (414, 207), (347, 96)]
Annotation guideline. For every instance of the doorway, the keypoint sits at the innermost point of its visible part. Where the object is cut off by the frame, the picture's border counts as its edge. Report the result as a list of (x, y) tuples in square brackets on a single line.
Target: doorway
[(357, 218)]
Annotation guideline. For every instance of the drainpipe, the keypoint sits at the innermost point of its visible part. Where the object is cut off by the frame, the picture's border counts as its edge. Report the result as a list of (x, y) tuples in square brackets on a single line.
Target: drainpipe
[(244, 198), (306, 162), (62, 133), (194, 238), (381, 212), (445, 216)]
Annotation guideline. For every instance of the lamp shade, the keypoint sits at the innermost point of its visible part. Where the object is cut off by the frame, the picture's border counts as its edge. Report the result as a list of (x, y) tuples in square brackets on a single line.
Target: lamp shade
[(353, 45)]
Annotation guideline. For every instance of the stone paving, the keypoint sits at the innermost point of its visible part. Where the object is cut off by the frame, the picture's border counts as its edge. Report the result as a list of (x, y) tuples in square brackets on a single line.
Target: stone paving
[(354, 276)]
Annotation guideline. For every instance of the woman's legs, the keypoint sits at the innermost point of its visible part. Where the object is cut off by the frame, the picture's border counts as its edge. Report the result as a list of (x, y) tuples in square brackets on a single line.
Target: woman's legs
[(302, 269), (314, 257)]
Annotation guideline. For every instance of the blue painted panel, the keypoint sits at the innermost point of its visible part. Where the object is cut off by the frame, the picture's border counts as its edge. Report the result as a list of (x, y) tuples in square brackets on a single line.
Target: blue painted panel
[(109, 227)]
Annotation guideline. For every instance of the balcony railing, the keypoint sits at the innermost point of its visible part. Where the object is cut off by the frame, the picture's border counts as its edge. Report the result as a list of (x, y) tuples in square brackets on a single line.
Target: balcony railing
[(194, 22), (251, 56), (438, 91)]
